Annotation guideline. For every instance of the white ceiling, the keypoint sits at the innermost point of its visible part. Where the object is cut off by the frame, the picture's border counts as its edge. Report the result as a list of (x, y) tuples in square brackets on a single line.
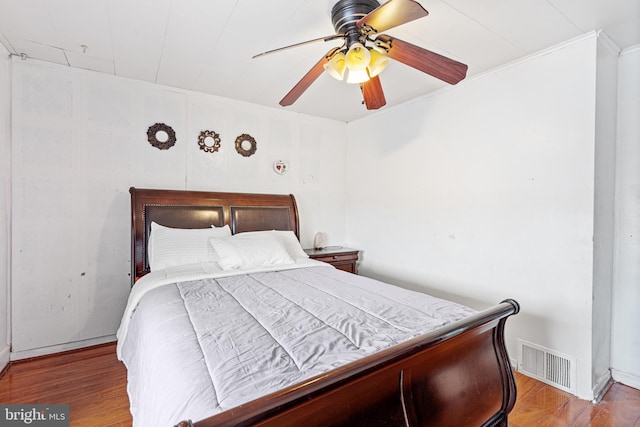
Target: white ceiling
[(207, 45)]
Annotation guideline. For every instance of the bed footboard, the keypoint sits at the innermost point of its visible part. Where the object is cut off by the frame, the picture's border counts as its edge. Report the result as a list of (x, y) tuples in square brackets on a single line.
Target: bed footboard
[(458, 375)]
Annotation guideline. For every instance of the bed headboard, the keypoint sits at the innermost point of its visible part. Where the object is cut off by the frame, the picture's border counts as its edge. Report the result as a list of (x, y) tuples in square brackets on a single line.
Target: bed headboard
[(201, 209)]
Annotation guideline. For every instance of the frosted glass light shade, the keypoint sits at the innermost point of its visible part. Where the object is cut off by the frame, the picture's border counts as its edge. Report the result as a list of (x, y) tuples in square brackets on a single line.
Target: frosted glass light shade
[(379, 62), (336, 66), (359, 76), (358, 57)]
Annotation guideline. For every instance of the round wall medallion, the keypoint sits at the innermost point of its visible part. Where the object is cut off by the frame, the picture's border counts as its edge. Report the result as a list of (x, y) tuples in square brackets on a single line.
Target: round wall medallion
[(245, 145), (161, 136), (209, 141)]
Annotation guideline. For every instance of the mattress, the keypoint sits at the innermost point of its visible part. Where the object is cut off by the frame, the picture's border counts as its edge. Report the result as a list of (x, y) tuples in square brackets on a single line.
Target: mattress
[(197, 341)]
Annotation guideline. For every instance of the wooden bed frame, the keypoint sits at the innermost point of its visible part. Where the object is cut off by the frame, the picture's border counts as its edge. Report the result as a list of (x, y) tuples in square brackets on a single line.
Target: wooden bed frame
[(457, 375)]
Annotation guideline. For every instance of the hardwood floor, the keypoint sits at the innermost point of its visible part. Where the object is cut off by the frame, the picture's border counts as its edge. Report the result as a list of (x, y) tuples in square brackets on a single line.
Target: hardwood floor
[(541, 405), (93, 383)]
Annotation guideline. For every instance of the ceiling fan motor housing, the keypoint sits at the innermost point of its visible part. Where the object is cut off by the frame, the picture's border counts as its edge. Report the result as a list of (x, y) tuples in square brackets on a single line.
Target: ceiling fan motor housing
[(346, 13)]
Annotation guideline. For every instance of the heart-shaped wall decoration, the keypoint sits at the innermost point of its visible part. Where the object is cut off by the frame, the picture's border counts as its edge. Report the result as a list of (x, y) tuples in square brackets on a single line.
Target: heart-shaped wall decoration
[(281, 166)]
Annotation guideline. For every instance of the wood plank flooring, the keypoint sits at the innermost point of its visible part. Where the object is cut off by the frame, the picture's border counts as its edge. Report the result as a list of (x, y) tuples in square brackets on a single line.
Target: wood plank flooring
[(541, 405), (93, 383)]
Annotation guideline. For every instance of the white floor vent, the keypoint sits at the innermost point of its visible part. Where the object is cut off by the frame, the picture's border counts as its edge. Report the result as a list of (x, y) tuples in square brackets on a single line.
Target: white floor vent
[(548, 366)]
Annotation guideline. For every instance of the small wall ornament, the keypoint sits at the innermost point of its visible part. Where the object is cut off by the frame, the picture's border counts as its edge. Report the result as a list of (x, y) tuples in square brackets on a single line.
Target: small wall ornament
[(246, 145), (209, 141), (161, 136), (281, 166)]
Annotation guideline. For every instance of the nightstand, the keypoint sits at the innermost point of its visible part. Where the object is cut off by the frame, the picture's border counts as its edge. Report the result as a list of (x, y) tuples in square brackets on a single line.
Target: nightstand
[(340, 257)]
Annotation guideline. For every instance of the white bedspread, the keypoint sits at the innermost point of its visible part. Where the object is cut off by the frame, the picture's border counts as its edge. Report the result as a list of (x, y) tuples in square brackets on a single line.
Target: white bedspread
[(199, 346)]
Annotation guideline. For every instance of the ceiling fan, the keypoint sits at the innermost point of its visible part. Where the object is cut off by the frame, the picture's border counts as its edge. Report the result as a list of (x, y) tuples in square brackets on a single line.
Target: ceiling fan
[(366, 52)]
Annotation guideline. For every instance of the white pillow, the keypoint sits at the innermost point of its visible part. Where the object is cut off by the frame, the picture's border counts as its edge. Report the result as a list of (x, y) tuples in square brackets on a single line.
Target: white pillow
[(247, 250), (287, 238), (170, 247)]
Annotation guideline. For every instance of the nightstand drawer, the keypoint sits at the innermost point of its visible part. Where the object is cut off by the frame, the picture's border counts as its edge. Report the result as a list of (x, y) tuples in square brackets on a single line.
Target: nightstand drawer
[(336, 258), (341, 258)]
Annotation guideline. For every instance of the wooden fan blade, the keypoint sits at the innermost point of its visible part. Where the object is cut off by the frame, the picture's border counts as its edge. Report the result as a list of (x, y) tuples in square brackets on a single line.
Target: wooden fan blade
[(320, 39), (307, 79), (373, 94), (438, 66), (391, 14)]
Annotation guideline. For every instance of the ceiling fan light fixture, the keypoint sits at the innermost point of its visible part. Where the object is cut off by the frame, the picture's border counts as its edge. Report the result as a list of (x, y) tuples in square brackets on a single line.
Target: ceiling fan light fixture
[(365, 52), (336, 66), (357, 57), (379, 61)]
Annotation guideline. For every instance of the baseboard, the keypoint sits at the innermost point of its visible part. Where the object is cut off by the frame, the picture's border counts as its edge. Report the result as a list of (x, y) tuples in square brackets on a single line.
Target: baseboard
[(5, 357), (514, 364), (626, 378), (43, 351), (602, 387)]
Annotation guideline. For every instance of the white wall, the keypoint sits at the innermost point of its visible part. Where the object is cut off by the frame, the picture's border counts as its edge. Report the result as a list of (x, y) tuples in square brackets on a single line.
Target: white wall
[(485, 191), (5, 182), (625, 355), (79, 143)]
